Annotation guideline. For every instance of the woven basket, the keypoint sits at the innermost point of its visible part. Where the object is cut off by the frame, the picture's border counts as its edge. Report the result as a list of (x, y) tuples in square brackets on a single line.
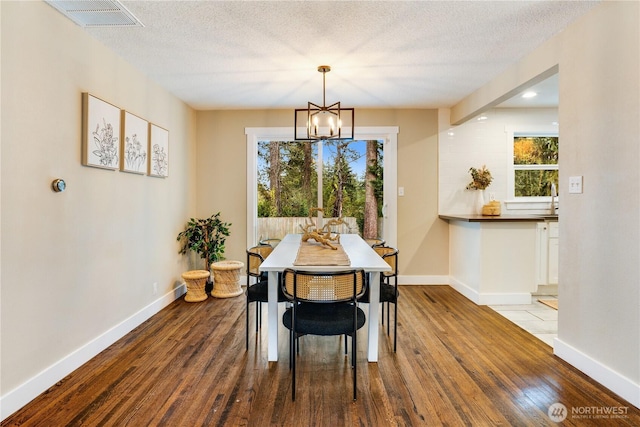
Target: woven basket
[(195, 280), (226, 279), (492, 208)]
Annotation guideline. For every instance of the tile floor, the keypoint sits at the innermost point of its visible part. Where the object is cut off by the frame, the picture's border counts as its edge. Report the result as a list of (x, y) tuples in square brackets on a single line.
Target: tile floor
[(538, 319)]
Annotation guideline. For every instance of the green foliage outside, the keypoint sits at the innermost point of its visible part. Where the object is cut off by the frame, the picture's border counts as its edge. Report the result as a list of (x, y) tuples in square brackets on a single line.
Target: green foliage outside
[(295, 198), (343, 191), (533, 179)]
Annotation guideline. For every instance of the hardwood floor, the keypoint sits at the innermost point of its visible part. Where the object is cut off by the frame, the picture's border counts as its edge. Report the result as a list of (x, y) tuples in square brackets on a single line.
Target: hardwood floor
[(457, 364)]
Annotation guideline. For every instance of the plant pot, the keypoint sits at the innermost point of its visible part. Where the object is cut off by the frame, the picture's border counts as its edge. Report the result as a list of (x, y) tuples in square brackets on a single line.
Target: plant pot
[(195, 280), (226, 279)]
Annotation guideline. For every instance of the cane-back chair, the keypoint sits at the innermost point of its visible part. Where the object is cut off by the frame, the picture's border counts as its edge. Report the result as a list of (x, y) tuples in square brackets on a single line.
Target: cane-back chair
[(323, 303)]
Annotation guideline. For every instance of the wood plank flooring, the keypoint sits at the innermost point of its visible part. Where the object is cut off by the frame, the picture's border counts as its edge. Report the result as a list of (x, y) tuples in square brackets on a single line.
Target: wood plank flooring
[(457, 364)]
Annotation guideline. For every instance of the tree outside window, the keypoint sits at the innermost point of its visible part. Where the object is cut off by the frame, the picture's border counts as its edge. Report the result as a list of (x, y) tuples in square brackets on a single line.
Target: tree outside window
[(352, 181), (535, 163)]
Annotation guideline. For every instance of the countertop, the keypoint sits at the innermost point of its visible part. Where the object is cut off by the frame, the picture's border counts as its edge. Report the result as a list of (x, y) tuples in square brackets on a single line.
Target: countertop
[(499, 218)]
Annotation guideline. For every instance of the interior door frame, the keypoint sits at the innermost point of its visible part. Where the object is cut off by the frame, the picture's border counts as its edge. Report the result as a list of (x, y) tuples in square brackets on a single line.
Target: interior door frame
[(387, 134)]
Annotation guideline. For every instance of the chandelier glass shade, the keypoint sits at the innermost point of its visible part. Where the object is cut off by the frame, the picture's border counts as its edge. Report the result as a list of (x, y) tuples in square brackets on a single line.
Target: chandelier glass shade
[(323, 122)]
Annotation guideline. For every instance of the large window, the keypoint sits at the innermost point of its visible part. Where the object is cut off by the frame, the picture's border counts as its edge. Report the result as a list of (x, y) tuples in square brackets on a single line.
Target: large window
[(348, 176), (535, 165), (327, 176)]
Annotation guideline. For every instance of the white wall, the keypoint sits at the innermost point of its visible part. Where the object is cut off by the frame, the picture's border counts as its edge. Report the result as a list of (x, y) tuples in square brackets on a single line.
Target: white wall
[(600, 244), (78, 267), (598, 58), (422, 236), (483, 142)]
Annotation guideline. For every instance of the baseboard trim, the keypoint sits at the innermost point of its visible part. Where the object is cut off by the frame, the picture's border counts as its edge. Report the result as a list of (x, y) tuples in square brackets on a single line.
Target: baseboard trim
[(466, 291), (505, 298), (489, 298), (25, 393), (612, 380)]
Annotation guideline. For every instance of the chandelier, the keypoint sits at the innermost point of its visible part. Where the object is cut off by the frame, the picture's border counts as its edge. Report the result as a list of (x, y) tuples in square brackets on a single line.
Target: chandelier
[(323, 122)]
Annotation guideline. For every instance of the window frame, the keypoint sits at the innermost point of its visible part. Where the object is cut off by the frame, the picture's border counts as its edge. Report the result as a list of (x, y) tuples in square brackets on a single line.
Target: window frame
[(387, 134), (529, 202)]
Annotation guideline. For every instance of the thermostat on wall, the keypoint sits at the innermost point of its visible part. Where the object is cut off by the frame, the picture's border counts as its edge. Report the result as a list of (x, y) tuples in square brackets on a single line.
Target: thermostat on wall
[(58, 185)]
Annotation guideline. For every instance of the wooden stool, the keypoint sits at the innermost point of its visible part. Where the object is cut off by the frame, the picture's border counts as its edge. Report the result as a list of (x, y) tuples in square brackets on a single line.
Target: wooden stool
[(195, 280), (226, 279)]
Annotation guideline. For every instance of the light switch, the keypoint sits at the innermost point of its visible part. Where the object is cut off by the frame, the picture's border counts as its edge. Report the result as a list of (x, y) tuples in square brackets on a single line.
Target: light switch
[(575, 185), (400, 191)]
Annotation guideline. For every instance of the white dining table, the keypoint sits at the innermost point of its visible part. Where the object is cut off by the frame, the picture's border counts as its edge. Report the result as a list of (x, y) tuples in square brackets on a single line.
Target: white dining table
[(361, 255)]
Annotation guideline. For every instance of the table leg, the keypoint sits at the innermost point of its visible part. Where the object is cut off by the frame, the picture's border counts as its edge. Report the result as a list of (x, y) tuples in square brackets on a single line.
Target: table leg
[(374, 308), (272, 327)]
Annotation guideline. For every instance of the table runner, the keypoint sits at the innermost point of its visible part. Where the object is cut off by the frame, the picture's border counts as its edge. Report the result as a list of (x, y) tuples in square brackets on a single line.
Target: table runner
[(313, 253)]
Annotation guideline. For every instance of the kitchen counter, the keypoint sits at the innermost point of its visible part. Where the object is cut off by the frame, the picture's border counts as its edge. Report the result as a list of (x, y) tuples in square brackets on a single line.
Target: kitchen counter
[(499, 218), (492, 259)]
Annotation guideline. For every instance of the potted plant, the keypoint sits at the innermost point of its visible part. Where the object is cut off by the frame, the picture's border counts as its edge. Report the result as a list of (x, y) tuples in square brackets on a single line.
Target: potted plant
[(481, 179), (206, 237)]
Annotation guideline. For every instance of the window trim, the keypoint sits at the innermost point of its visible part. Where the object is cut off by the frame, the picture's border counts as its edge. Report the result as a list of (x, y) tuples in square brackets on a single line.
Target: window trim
[(387, 134), (531, 202)]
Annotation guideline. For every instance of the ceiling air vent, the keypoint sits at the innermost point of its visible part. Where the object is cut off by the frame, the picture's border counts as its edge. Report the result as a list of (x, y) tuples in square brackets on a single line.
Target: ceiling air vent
[(96, 13)]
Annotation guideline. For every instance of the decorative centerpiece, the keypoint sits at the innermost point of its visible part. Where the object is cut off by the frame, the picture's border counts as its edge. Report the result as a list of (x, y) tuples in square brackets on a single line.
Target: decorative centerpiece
[(481, 179), (321, 235)]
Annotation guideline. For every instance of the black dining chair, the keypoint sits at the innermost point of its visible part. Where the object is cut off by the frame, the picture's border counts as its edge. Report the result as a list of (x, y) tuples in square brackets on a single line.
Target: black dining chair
[(375, 242), (388, 288), (273, 242), (323, 303), (258, 285)]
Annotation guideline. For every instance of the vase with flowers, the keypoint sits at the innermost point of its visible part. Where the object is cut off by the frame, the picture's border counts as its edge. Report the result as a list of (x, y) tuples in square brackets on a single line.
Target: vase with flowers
[(481, 179)]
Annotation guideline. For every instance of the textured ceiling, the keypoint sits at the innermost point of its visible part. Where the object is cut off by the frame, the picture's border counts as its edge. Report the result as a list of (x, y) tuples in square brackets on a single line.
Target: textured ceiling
[(418, 54)]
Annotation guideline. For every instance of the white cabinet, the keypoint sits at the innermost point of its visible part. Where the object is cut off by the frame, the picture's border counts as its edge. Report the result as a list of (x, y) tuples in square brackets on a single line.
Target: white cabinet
[(552, 265), (547, 253), (490, 261)]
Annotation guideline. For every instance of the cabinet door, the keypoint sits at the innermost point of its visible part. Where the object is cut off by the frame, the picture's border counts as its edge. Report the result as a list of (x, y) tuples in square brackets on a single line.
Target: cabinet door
[(542, 253), (553, 254)]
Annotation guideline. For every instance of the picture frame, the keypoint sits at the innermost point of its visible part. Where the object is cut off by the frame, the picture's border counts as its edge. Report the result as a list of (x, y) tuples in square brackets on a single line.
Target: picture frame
[(135, 144), (100, 133), (158, 151)]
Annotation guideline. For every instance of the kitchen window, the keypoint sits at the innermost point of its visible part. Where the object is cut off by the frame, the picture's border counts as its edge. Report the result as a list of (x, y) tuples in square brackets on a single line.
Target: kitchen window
[(535, 165)]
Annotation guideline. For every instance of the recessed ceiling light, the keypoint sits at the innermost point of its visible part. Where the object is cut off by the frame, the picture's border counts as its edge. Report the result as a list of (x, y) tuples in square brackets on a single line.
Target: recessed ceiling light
[(481, 118), (529, 94)]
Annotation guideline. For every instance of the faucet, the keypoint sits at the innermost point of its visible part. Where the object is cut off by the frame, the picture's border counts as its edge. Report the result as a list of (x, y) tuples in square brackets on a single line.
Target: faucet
[(554, 194)]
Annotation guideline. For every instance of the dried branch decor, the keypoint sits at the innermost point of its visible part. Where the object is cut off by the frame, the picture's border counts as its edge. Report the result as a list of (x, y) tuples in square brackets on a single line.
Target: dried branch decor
[(481, 178)]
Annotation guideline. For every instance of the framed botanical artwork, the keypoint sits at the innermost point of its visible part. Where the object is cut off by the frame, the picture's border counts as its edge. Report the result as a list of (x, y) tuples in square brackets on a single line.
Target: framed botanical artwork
[(158, 151), (135, 143), (100, 133)]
